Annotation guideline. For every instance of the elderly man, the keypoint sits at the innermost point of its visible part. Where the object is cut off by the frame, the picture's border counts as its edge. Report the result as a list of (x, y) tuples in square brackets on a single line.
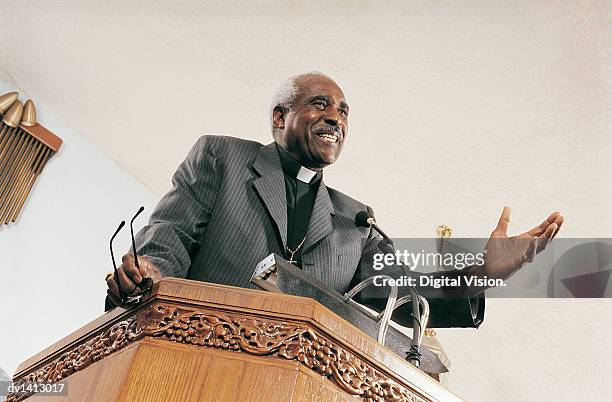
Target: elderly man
[(236, 201)]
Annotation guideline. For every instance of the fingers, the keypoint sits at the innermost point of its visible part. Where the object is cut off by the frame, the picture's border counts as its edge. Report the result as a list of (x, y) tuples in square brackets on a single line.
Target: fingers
[(538, 230), (146, 269), (113, 298), (113, 291), (129, 277), (546, 237), (547, 230), (127, 285), (502, 226), (132, 271), (112, 286), (559, 221), (552, 217)]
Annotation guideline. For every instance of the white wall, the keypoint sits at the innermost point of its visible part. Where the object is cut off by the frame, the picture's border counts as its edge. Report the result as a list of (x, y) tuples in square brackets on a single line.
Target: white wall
[(459, 108), (54, 258)]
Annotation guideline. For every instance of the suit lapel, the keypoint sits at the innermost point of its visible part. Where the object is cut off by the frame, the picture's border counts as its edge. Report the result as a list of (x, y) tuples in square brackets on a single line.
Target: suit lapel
[(320, 224), (271, 187)]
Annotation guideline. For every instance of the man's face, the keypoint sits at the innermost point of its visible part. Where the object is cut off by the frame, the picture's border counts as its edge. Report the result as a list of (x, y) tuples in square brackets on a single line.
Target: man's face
[(314, 130)]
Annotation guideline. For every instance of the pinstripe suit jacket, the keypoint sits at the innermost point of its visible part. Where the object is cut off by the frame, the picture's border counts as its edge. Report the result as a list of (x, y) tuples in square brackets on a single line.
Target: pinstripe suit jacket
[(227, 210)]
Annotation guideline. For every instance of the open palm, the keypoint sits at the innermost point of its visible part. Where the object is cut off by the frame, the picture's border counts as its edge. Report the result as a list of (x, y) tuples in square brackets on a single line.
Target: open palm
[(505, 255)]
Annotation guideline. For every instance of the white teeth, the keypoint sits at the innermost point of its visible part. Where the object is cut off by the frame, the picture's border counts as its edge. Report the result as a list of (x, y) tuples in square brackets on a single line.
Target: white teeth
[(329, 137)]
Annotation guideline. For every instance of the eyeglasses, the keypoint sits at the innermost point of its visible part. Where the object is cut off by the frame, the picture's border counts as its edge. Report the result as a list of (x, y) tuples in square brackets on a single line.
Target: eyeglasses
[(128, 300)]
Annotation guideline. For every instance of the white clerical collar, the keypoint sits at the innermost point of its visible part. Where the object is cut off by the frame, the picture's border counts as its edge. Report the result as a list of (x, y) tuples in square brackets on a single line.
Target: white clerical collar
[(292, 168), (305, 175)]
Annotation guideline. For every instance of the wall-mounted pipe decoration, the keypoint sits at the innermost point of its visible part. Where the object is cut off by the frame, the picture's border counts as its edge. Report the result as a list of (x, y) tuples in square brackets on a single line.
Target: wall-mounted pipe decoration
[(25, 148)]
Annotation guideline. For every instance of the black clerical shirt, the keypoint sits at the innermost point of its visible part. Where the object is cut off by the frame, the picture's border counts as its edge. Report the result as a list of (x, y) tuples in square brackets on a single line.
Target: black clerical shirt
[(301, 187)]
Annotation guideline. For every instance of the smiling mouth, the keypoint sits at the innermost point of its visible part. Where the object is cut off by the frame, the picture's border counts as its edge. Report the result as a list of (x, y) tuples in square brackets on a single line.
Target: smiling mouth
[(330, 137)]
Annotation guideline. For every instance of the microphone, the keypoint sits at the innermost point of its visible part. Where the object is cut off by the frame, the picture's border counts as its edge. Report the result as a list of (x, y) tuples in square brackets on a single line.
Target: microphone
[(365, 219)]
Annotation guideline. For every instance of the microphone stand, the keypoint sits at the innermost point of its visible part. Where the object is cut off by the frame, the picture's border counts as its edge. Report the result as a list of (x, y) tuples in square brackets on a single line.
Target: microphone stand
[(419, 321)]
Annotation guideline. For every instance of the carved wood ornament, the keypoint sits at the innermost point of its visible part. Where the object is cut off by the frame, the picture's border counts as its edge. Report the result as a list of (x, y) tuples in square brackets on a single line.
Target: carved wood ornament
[(261, 337)]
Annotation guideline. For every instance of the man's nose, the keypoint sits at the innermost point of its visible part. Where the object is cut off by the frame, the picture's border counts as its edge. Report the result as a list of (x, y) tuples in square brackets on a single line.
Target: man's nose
[(332, 117), (331, 121)]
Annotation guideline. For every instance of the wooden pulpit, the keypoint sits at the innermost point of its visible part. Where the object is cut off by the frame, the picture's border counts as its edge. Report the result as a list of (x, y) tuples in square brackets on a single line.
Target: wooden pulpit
[(195, 341)]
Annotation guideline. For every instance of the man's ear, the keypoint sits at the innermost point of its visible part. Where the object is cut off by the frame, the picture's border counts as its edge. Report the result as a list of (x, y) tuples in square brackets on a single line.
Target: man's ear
[(278, 117)]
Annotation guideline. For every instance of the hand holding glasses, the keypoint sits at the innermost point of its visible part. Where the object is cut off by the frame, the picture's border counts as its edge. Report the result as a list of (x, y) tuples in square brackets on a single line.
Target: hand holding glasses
[(133, 296)]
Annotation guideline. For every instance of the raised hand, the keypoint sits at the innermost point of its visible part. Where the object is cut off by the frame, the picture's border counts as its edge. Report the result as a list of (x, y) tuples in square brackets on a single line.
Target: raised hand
[(505, 255)]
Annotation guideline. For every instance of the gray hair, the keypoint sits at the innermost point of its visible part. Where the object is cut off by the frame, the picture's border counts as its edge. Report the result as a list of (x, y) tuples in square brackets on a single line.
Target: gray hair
[(287, 92)]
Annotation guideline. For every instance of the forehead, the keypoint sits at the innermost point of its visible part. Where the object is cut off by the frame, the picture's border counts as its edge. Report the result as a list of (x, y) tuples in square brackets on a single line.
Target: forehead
[(318, 86)]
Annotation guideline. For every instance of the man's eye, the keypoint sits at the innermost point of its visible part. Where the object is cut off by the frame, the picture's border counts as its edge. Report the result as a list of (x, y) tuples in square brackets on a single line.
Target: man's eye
[(320, 105), (343, 112)]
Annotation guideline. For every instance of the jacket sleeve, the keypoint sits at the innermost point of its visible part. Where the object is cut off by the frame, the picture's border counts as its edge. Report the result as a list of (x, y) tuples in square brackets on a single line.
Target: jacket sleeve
[(174, 233), (449, 307)]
